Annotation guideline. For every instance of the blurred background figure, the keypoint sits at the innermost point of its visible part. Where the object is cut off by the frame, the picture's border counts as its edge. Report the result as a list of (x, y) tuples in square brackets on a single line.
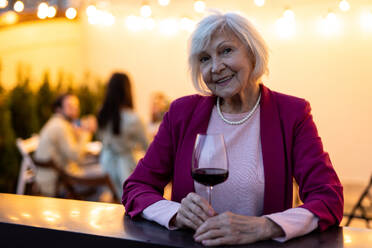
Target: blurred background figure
[(159, 106), (63, 140), (120, 130)]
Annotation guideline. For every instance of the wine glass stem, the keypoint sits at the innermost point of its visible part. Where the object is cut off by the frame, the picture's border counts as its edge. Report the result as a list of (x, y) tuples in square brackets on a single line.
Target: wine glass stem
[(209, 192)]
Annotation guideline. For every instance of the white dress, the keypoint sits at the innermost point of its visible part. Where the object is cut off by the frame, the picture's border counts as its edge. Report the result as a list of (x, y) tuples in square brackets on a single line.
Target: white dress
[(117, 157)]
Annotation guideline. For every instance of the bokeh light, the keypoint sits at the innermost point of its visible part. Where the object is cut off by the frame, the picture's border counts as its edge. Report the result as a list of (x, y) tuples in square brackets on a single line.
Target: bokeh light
[(259, 3), (163, 2), (168, 26), (3, 3), (71, 13), (19, 6), (42, 11), (146, 11), (344, 5), (52, 11), (330, 25), (199, 6), (366, 21)]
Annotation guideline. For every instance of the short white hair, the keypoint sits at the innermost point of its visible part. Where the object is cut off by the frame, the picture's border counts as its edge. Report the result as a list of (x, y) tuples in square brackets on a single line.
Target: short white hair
[(242, 29)]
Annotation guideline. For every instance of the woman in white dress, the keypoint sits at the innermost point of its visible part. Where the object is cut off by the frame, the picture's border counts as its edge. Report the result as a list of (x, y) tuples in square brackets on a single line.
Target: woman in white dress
[(120, 131)]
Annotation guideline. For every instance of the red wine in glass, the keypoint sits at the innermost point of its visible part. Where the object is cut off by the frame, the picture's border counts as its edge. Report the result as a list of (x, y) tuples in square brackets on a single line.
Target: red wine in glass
[(210, 176), (209, 161)]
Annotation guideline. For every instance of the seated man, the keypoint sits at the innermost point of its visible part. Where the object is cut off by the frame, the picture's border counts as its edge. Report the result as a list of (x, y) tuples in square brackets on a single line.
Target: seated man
[(62, 141)]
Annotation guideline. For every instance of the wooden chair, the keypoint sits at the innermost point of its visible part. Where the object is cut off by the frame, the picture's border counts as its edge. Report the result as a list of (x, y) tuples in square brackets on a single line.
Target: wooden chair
[(66, 180), (361, 207), (27, 171), (70, 182)]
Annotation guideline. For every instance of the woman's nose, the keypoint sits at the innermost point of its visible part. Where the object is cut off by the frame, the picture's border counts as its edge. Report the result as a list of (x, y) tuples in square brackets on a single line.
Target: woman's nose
[(217, 66)]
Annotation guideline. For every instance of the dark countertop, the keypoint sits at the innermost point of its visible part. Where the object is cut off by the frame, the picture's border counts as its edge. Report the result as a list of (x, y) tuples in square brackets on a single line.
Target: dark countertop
[(51, 222)]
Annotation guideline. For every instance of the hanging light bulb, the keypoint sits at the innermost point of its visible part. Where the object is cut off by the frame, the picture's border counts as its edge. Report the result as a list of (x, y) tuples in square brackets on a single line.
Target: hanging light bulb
[(42, 10), (187, 24), (163, 2), (329, 25), (52, 11), (199, 6), (289, 14), (91, 10), (19, 6), (168, 26), (3, 3), (286, 25), (344, 5), (71, 13), (259, 3), (146, 10)]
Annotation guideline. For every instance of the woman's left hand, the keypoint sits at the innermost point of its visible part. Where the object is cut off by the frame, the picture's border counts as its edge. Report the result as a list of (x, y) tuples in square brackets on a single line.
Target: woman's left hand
[(231, 229)]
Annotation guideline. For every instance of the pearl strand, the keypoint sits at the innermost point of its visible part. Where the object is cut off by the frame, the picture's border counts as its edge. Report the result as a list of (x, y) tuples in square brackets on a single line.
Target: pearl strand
[(242, 120)]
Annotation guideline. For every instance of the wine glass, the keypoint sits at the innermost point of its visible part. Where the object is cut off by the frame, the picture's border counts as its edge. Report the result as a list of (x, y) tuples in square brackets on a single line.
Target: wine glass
[(209, 161)]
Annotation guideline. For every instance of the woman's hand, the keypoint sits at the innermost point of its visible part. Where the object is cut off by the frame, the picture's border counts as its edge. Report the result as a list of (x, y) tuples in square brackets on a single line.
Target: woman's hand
[(194, 211), (231, 229)]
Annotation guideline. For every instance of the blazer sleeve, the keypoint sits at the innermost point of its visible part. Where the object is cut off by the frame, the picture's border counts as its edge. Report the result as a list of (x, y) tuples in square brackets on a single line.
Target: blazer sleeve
[(146, 184), (319, 187)]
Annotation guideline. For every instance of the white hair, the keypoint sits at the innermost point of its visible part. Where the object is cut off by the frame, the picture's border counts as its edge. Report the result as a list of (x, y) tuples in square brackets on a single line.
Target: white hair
[(242, 29)]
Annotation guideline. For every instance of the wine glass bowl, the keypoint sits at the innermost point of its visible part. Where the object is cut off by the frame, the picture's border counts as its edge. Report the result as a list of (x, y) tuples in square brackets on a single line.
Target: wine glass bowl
[(209, 161)]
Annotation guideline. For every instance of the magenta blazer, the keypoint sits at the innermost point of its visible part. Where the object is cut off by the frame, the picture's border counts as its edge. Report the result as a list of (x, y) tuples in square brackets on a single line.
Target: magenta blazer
[(291, 148)]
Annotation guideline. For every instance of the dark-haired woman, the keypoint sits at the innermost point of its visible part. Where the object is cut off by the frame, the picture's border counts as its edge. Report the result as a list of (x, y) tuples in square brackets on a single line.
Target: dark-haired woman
[(120, 130)]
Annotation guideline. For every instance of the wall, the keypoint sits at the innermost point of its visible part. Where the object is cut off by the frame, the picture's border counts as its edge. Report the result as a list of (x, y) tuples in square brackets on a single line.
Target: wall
[(333, 73), (52, 45)]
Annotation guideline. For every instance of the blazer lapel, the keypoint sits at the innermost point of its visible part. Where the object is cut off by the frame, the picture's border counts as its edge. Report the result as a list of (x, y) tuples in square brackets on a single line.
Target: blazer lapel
[(273, 153), (198, 124)]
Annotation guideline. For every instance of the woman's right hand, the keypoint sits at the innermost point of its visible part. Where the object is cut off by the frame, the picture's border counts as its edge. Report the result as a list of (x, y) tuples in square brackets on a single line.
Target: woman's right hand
[(193, 212)]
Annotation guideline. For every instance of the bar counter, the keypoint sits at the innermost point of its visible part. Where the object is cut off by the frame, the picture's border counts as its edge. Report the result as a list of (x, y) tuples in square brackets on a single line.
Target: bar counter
[(30, 221)]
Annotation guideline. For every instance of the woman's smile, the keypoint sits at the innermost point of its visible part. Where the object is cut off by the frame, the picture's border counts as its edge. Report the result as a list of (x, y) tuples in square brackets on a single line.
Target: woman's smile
[(223, 81)]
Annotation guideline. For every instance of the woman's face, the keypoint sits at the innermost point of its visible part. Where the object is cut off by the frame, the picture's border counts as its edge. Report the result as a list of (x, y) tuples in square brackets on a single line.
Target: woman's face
[(225, 65)]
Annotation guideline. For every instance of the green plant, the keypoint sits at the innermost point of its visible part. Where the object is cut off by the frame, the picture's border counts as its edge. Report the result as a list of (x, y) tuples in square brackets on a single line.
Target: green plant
[(45, 97), (9, 157)]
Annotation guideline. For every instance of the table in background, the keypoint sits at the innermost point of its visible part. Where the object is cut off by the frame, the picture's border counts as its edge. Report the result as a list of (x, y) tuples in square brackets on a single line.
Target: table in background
[(30, 221)]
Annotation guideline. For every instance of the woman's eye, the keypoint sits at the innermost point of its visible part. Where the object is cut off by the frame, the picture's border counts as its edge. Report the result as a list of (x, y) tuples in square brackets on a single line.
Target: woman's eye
[(203, 59), (227, 50)]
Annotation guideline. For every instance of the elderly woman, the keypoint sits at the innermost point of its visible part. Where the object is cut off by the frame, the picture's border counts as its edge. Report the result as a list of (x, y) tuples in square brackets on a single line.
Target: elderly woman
[(270, 138)]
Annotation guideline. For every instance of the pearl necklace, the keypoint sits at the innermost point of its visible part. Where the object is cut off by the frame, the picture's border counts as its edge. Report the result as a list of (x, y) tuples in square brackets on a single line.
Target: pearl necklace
[(242, 120)]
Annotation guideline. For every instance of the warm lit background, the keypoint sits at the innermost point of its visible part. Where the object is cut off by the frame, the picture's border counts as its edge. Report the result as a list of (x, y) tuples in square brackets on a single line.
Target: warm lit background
[(318, 52)]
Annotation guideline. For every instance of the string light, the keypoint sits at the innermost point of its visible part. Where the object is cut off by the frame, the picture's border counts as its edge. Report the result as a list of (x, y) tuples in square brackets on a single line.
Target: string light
[(168, 26), (91, 10), (71, 13), (52, 11), (187, 24), (19, 6), (42, 11), (259, 3), (163, 2), (199, 6), (329, 25), (344, 5), (289, 14), (146, 10), (286, 25), (3, 3), (107, 19)]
